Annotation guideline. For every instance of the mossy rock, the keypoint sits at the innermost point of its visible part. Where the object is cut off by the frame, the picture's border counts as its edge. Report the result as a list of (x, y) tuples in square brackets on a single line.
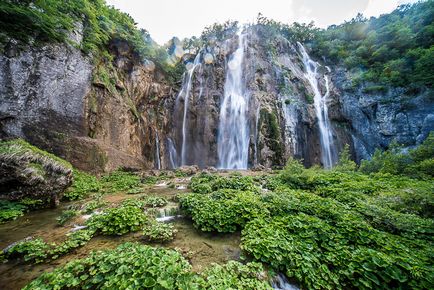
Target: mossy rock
[(28, 172)]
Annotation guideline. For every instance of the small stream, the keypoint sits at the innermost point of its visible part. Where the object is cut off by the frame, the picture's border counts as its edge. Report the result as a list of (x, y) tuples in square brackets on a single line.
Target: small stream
[(200, 248)]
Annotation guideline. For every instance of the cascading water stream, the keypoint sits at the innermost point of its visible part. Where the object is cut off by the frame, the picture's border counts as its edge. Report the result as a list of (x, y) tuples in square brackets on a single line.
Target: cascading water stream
[(173, 155), (321, 110), (185, 93), (233, 137)]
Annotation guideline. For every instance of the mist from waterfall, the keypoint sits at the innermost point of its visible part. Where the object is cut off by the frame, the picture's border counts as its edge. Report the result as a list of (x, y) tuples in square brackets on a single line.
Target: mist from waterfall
[(321, 109), (233, 136), (185, 94)]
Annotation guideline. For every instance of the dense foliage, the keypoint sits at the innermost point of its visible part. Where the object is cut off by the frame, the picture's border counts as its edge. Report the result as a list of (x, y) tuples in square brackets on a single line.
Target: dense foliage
[(394, 49), (418, 162), (159, 232), (329, 229), (10, 210), (119, 220), (82, 186), (154, 201), (132, 265)]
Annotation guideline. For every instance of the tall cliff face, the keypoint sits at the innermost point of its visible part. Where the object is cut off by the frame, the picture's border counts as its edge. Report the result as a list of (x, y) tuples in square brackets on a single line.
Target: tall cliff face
[(281, 115), (102, 114), (375, 119), (98, 115)]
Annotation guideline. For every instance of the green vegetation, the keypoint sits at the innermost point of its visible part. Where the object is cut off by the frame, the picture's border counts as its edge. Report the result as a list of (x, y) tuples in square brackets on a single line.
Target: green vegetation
[(86, 184), (120, 181), (119, 220), (394, 49), (20, 147), (154, 201), (332, 229), (10, 210), (129, 264), (206, 183), (235, 275), (418, 162), (66, 216), (141, 266), (159, 232), (224, 210), (83, 185), (38, 251), (42, 21)]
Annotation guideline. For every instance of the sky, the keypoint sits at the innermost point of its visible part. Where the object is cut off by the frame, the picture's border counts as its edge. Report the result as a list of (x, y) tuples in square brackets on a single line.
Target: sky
[(185, 18)]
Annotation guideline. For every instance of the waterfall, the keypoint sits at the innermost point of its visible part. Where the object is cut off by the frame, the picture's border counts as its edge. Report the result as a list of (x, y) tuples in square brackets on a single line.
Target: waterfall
[(185, 93), (173, 155), (157, 151), (233, 136), (321, 110), (281, 283)]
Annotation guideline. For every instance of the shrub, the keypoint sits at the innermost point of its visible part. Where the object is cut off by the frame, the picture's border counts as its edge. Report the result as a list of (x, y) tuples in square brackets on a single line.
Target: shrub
[(154, 201), (120, 181), (10, 210), (235, 275), (74, 240), (223, 210), (127, 265), (83, 185), (31, 250), (347, 255), (118, 221), (159, 232), (345, 163)]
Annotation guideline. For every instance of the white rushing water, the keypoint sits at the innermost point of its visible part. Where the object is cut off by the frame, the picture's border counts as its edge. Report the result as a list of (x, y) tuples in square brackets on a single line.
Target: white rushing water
[(185, 93), (281, 283), (233, 137), (173, 155), (321, 110)]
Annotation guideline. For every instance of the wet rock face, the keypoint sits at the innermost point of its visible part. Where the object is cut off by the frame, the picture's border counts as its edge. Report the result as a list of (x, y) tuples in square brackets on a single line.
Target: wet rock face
[(61, 101), (376, 119), (26, 173), (51, 97)]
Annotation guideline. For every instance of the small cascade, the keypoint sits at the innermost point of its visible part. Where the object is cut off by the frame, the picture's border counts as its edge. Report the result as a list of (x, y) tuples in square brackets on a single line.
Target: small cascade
[(281, 283), (173, 154), (157, 152), (233, 137), (321, 110), (185, 94)]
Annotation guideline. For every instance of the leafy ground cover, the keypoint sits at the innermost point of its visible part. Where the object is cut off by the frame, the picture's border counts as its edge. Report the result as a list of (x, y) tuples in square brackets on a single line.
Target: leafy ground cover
[(144, 267), (345, 228)]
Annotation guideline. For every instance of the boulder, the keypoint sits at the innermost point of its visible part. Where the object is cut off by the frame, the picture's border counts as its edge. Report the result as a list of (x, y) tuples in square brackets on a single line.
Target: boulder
[(28, 172), (188, 169)]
